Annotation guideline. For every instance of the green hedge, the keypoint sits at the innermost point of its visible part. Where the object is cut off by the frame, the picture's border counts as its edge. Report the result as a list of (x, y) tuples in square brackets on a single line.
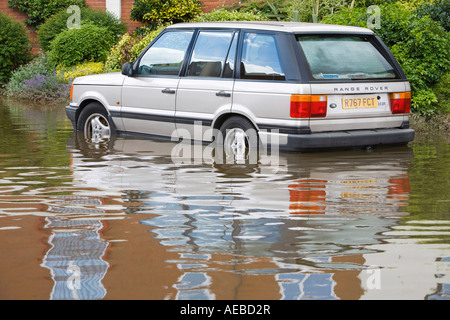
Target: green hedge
[(233, 15), (39, 10), (161, 11), (15, 46), (58, 23), (74, 46)]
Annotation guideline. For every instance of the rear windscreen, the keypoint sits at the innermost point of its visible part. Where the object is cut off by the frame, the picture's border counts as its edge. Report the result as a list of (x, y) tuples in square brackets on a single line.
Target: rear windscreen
[(344, 57)]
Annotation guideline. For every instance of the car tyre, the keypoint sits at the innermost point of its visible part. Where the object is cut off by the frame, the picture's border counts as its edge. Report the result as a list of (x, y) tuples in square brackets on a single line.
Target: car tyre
[(95, 123), (239, 139)]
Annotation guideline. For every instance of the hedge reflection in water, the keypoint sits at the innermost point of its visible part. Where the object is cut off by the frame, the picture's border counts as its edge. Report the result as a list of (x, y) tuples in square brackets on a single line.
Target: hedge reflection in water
[(124, 220)]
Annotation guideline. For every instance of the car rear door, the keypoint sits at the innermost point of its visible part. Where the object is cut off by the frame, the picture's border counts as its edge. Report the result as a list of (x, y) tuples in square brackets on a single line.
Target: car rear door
[(206, 90)]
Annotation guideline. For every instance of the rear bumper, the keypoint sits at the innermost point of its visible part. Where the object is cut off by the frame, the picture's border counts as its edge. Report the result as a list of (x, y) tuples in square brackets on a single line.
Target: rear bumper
[(348, 139)]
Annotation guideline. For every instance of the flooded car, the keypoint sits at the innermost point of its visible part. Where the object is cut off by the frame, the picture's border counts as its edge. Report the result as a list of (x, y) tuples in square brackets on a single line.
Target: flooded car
[(298, 86)]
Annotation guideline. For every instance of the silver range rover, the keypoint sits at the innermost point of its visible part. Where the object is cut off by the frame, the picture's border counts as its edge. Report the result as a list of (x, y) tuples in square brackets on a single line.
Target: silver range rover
[(299, 86)]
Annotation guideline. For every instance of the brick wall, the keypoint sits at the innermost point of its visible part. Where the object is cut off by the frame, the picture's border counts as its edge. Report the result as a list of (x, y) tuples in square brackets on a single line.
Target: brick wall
[(209, 5), (126, 8)]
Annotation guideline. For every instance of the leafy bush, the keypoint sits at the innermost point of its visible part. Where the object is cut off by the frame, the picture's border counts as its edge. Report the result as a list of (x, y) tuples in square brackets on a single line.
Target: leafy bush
[(121, 52), (14, 46), (82, 69), (39, 10), (419, 44), (272, 10), (438, 10), (74, 46), (442, 92), (129, 48), (37, 81), (160, 11), (225, 15), (58, 23)]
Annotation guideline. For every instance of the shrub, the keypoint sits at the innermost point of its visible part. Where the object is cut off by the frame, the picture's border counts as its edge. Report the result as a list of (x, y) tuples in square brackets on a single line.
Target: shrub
[(39, 10), (225, 15), (74, 46), (419, 44), (121, 52), (58, 23), (442, 92), (82, 69), (129, 48), (438, 10), (37, 81), (160, 11), (14, 46)]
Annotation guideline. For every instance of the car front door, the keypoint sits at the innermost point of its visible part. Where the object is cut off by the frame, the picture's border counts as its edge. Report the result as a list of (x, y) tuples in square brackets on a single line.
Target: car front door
[(148, 97)]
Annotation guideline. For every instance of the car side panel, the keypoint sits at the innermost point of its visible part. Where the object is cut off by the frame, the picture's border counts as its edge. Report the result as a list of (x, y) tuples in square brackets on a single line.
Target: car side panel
[(108, 96)]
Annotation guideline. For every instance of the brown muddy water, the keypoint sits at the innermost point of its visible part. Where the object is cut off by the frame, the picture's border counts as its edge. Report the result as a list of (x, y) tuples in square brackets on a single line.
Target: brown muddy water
[(129, 220)]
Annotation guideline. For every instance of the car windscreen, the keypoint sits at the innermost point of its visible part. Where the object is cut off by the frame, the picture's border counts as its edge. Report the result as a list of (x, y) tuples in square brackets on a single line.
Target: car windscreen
[(344, 57)]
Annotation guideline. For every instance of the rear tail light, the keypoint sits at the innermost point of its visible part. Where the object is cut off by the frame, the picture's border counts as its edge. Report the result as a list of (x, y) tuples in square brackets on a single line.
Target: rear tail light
[(308, 106), (400, 102)]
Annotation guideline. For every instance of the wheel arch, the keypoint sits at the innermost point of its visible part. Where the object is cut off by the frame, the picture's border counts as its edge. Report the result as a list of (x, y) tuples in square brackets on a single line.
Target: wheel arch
[(85, 103), (223, 117)]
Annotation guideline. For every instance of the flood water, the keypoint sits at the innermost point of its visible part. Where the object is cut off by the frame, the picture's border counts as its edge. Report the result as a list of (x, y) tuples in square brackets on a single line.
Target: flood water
[(131, 220)]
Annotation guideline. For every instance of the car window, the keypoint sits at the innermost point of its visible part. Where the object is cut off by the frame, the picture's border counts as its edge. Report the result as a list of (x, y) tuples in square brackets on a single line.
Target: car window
[(209, 53), (260, 58), (166, 55), (344, 57)]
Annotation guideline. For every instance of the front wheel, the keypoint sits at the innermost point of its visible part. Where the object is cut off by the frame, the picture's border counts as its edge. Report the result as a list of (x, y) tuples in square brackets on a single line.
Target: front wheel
[(240, 139), (95, 123)]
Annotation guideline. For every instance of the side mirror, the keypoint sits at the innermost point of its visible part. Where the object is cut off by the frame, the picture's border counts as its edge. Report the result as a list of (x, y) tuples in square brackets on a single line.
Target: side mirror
[(127, 69)]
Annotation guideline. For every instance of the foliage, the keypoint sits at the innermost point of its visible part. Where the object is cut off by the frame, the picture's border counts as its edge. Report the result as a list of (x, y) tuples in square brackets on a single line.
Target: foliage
[(419, 44), (314, 10), (82, 69), (272, 10), (14, 46), (442, 92), (58, 23), (225, 15), (129, 48), (37, 81), (120, 53), (74, 46), (160, 11), (438, 10), (39, 10)]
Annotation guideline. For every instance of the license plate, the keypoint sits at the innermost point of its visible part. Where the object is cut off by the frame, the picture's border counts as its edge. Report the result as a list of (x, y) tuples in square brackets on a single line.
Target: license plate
[(359, 103)]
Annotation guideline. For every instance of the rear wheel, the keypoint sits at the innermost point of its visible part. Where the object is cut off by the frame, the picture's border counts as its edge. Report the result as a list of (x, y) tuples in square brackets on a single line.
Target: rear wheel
[(240, 139), (95, 123)]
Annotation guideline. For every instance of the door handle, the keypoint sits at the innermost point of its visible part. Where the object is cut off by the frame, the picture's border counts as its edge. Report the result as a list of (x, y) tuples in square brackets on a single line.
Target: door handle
[(223, 94), (167, 90)]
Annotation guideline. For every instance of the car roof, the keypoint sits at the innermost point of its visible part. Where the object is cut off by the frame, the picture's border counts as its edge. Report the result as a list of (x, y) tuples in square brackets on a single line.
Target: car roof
[(293, 27)]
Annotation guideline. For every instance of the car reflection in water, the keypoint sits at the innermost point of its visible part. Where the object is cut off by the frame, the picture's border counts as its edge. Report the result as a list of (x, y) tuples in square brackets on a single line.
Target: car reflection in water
[(224, 224)]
